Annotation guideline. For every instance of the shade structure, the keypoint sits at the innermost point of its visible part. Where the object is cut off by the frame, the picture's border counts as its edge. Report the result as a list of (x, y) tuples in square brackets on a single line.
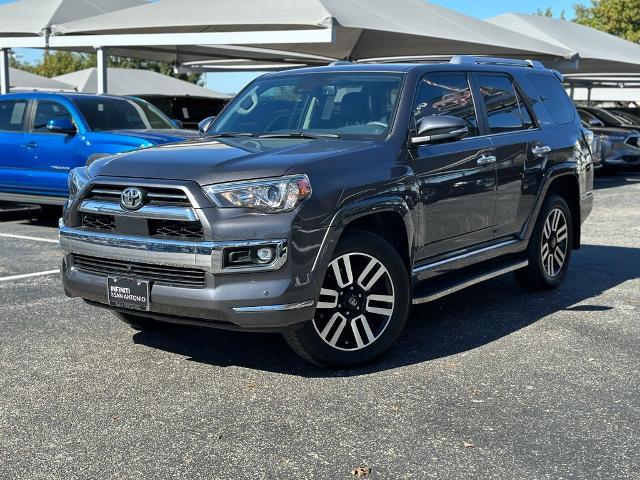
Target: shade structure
[(599, 52), (362, 28), (33, 18), (125, 81), (26, 81)]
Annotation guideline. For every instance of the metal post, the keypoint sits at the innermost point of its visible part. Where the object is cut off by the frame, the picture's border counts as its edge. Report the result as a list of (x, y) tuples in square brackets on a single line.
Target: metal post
[(102, 70), (588, 96), (4, 71), (572, 91)]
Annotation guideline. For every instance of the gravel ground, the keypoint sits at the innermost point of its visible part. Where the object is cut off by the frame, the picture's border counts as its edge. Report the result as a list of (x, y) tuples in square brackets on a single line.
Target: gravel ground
[(492, 382)]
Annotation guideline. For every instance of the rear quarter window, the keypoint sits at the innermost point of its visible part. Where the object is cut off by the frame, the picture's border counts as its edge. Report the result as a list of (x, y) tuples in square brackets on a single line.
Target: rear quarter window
[(554, 97), (12, 115)]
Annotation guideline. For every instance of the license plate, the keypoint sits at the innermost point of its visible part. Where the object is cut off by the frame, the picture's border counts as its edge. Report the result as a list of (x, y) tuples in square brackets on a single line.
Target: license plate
[(128, 293)]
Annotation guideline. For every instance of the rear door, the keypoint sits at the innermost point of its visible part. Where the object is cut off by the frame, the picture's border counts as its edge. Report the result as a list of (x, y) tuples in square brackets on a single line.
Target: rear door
[(518, 145), (457, 179), (52, 155), (14, 174)]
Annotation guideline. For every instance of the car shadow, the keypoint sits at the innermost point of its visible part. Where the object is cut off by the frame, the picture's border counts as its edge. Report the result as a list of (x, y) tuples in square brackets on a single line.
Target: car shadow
[(458, 323), (30, 214), (616, 179)]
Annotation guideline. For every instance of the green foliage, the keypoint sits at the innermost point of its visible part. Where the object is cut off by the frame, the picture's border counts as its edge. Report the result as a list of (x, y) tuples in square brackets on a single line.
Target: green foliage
[(56, 63), (548, 12), (618, 17)]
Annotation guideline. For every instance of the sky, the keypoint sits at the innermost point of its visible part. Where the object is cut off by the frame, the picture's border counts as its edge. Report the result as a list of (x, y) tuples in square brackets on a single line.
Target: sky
[(232, 82)]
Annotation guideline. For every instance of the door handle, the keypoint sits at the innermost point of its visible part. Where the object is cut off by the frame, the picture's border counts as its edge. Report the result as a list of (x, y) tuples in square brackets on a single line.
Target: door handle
[(541, 150), (31, 145), (486, 160)]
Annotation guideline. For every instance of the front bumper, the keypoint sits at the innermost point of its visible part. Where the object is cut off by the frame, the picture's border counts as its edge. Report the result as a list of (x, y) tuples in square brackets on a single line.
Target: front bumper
[(269, 297), (620, 153)]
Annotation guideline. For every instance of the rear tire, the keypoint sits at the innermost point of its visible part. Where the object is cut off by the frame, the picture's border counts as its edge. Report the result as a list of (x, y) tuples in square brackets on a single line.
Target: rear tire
[(51, 211), (549, 247), (363, 305), (138, 322)]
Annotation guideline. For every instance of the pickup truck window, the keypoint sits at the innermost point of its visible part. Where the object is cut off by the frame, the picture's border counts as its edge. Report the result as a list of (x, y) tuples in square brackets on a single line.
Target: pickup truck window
[(106, 114), (12, 115), (505, 110), (446, 95), (356, 105), (46, 111)]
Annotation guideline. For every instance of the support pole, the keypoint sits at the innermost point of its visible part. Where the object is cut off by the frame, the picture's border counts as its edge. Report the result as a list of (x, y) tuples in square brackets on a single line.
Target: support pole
[(588, 96), (4, 71), (102, 70), (572, 91)]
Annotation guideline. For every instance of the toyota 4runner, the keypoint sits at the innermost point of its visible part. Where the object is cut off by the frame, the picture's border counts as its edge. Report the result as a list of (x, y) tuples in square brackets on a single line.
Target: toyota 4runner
[(323, 202)]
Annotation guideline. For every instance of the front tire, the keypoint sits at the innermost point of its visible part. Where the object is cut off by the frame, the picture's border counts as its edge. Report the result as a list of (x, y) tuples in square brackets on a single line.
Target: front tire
[(549, 247), (363, 305)]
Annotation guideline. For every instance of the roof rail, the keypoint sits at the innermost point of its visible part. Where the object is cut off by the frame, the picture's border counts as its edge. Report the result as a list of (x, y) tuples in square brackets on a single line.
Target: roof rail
[(507, 62)]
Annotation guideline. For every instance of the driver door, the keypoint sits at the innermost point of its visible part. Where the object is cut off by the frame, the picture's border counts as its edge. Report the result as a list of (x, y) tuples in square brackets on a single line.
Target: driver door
[(457, 179)]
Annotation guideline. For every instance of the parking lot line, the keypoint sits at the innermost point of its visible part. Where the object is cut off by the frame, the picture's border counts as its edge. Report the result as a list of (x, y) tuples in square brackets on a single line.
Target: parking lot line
[(24, 237), (27, 275)]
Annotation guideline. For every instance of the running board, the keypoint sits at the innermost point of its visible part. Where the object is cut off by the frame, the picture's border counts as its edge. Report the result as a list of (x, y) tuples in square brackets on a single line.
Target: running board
[(447, 287)]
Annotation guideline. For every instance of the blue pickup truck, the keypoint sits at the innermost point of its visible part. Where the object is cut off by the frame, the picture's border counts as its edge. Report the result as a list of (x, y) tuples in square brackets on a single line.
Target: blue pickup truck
[(45, 135)]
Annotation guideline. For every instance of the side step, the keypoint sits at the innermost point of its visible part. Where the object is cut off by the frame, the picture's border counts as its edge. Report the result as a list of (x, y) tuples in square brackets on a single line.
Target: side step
[(442, 288)]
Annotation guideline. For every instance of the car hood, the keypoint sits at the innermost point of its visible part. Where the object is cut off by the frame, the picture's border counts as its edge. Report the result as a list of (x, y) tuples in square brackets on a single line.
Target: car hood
[(157, 137), (209, 161)]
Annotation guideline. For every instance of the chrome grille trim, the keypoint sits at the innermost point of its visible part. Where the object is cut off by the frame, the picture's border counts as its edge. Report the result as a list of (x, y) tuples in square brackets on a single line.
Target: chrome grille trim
[(155, 212)]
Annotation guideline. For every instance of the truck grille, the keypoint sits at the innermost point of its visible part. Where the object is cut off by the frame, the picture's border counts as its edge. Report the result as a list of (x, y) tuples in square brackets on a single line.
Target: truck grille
[(176, 230), (157, 196), (160, 274), (103, 223)]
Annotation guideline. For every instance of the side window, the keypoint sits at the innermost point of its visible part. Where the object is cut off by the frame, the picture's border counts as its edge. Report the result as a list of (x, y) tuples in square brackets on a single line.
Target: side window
[(12, 115), (505, 109), (46, 111), (554, 98), (446, 95)]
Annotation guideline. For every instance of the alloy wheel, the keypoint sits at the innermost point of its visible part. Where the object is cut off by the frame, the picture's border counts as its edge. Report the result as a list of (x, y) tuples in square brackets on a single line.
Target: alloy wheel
[(356, 302), (555, 242)]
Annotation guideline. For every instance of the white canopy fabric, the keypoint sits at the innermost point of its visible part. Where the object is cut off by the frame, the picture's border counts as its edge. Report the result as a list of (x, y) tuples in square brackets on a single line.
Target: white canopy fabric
[(363, 28), (599, 52), (125, 81), (607, 95), (35, 17), (24, 81)]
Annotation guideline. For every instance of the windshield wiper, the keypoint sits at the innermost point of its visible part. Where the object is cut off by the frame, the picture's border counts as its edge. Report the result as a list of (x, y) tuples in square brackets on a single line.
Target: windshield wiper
[(312, 135), (230, 135)]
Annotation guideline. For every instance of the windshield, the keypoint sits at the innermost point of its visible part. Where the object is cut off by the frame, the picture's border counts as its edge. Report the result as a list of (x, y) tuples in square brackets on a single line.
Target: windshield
[(350, 105), (104, 114)]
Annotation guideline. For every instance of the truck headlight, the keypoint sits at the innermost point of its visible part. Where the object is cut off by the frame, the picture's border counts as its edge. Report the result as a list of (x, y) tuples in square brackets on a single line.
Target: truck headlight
[(271, 195), (78, 178)]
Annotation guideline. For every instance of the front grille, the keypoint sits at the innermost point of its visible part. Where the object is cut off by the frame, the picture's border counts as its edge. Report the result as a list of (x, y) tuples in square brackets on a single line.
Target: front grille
[(156, 196), (103, 223), (176, 230), (160, 274)]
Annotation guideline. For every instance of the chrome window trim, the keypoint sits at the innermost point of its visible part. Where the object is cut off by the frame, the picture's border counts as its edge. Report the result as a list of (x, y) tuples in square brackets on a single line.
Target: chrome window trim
[(207, 256)]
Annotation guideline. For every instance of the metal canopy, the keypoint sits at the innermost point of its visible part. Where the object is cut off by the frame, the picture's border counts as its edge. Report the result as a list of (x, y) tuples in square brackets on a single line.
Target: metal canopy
[(25, 81), (125, 81), (599, 52), (363, 28)]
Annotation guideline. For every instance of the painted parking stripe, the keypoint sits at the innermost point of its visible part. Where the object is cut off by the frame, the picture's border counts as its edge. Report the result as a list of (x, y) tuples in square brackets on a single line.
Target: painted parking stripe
[(24, 237), (28, 275)]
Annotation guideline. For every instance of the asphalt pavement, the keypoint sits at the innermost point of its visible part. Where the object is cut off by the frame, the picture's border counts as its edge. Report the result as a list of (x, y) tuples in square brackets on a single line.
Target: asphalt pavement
[(491, 382)]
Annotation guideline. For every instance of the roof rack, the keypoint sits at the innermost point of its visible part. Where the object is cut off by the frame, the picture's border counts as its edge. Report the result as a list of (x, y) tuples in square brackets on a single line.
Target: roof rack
[(507, 62)]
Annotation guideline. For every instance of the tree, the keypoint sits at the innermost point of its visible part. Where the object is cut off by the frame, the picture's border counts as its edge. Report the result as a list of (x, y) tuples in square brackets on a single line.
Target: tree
[(548, 12), (56, 63), (617, 17)]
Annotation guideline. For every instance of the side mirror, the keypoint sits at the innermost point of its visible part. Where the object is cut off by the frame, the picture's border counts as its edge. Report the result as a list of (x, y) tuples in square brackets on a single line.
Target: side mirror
[(594, 122), (177, 123), (437, 128), (61, 125), (204, 125)]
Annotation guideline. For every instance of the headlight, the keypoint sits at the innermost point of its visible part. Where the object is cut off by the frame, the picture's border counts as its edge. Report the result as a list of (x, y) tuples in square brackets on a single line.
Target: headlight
[(78, 178), (272, 195)]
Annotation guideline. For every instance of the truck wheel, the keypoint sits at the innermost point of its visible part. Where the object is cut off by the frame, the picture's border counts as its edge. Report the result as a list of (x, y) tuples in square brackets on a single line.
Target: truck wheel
[(363, 305), (138, 322), (550, 247), (51, 211)]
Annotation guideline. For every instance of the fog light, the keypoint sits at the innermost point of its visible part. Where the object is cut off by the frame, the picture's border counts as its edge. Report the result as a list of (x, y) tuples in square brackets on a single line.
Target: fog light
[(265, 254)]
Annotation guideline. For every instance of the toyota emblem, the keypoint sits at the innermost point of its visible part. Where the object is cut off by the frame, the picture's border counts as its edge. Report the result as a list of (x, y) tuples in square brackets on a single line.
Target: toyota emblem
[(132, 198)]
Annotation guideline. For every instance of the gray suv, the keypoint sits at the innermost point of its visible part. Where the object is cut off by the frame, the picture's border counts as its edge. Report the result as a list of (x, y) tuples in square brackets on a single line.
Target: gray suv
[(323, 202)]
